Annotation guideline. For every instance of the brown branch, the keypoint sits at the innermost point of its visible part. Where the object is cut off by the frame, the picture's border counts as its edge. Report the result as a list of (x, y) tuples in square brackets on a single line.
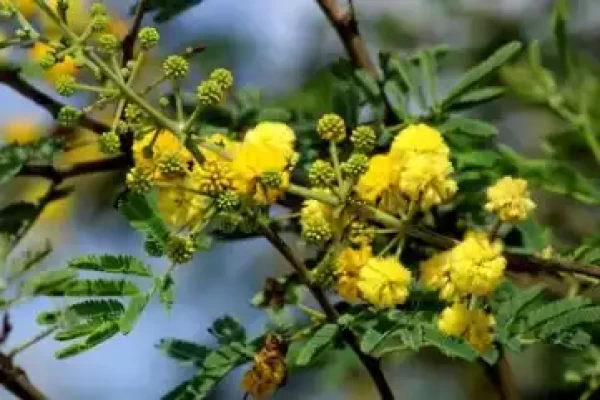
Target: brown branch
[(502, 378), (11, 77), (15, 381), (128, 45), (89, 167), (370, 363), (346, 26)]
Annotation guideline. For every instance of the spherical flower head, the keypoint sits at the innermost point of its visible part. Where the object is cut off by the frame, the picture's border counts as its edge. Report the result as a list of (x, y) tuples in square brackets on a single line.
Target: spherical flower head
[(435, 275), (454, 320), (268, 372), (378, 186), (98, 9), (65, 85), (419, 139), (21, 131), (480, 332), (67, 66), (133, 113), (25, 7), (360, 232), (384, 282), (108, 43), (175, 67), (68, 116), (180, 208), (223, 77), (99, 23), (110, 143), (180, 249), (214, 177), (321, 174), (210, 93), (271, 179), (510, 199), (315, 221), (153, 247), (426, 179), (274, 136), (477, 264), (347, 268), (227, 201), (147, 151), (356, 165), (139, 180), (170, 165), (48, 60), (148, 37), (331, 127), (364, 139)]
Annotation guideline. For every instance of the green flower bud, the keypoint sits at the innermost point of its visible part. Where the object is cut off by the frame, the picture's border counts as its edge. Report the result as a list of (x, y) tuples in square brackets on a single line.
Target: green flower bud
[(108, 43), (171, 164), (175, 67), (227, 201), (164, 101), (65, 85), (271, 179), (23, 33), (125, 72), (209, 93), (364, 139), (321, 174), (98, 9), (153, 247), (357, 164), (48, 60), (6, 10), (229, 222), (139, 180), (110, 143), (99, 23), (133, 114), (148, 37), (68, 116), (180, 249), (122, 127), (323, 275), (360, 232), (331, 127), (223, 77), (316, 231)]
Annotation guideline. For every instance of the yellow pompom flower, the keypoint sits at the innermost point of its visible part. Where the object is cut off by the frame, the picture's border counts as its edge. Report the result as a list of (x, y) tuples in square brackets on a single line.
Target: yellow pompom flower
[(181, 207), (419, 139), (147, 154), (435, 275), (316, 221), (425, 179), (65, 67), (221, 140), (384, 282), (510, 199), (274, 136), (477, 264), (378, 185), (21, 130), (347, 268), (214, 177), (475, 326), (454, 320)]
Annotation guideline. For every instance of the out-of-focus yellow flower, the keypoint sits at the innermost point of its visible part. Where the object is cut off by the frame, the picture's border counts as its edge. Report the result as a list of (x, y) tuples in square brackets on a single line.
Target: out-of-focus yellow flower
[(78, 17), (26, 7), (118, 27), (475, 326), (21, 130), (435, 275), (477, 264), (384, 282), (32, 190), (419, 139), (348, 265), (268, 372), (510, 199), (65, 67)]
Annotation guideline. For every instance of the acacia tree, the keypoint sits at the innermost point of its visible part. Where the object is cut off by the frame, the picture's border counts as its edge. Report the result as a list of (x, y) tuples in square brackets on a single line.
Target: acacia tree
[(418, 220)]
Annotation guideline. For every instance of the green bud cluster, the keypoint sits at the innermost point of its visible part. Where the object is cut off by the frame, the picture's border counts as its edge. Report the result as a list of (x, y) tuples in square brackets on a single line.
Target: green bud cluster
[(180, 249), (108, 43), (321, 174), (223, 77), (227, 201), (323, 275), (23, 33), (364, 139), (316, 232), (271, 179), (210, 93), (99, 23), (356, 165), (68, 116), (110, 143), (148, 37), (171, 164), (175, 67), (98, 9), (65, 85), (360, 232), (139, 180), (133, 113), (331, 127), (48, 60)]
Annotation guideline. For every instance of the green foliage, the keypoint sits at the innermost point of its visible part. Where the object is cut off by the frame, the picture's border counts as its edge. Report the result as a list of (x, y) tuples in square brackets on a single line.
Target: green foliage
[(99, 335), (16, 216), (141, 212), (90, 287), (228, 330), (168, 9), (185, 352), (133, 312), (14, 156), (114, 264), (317, 343)]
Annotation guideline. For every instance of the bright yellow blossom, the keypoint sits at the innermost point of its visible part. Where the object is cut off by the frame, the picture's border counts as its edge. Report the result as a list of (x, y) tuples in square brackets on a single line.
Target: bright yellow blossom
[(510, 199), (65, 67), (477, 264), (181, 207), (147, 154), (274, 136), (378, 185), (435, 275), (347, 269), (419, 139), (454, 320), (268, 372), (384, 282), (21, 130), (475, 326)]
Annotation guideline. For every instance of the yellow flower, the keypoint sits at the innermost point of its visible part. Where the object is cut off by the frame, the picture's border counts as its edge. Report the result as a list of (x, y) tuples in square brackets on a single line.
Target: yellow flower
[(78, 17), (21, 130), (384, 282), (230, 146), (275, 136), (65, 67), (510, 199), (348, 265), (268, 372), (214, 177), (419, 139), (315, 221), (425, 180), (454, 320), (435, 275), (166, 143), (475, 326), (181, 207), (26, 7), (477, 265), (378, 185)]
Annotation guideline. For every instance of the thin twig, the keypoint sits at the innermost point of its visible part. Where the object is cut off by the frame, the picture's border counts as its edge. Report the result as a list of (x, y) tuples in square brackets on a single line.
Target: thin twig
[(128, 45), (502, 378), (36, 339), (89, 167)]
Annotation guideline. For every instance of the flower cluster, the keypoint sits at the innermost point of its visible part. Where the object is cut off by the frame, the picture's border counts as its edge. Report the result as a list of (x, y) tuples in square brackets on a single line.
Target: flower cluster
[(475, 326), (509, 198), (269, 370)]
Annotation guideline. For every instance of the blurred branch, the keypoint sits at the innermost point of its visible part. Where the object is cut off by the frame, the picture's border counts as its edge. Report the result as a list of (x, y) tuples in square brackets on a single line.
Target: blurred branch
[(57, 176), (346, 26), (11, 77), (502, 377), (128, 45), (15, 380)]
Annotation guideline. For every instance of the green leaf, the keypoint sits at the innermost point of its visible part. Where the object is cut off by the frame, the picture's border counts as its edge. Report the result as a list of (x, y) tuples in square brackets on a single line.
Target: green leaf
[(77, 331), (477, 159), (141, 211), (98, 336), (166, 292), (97, 309), (227, 330), (370, 340), (471, 127), (509, 310), (480, 73), (534, 237), (401, 70), (573, 339), (274, 114), (187, 353), (368, 84), (48, 281), (397, 100), (132, 314), (114, 264), (551, 311), (15, 216), (560, 15), (8, 170), (570, 320), (477, 97), (29, 260), (317, 343), (93, 287), (450, 346), (428, 65)]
